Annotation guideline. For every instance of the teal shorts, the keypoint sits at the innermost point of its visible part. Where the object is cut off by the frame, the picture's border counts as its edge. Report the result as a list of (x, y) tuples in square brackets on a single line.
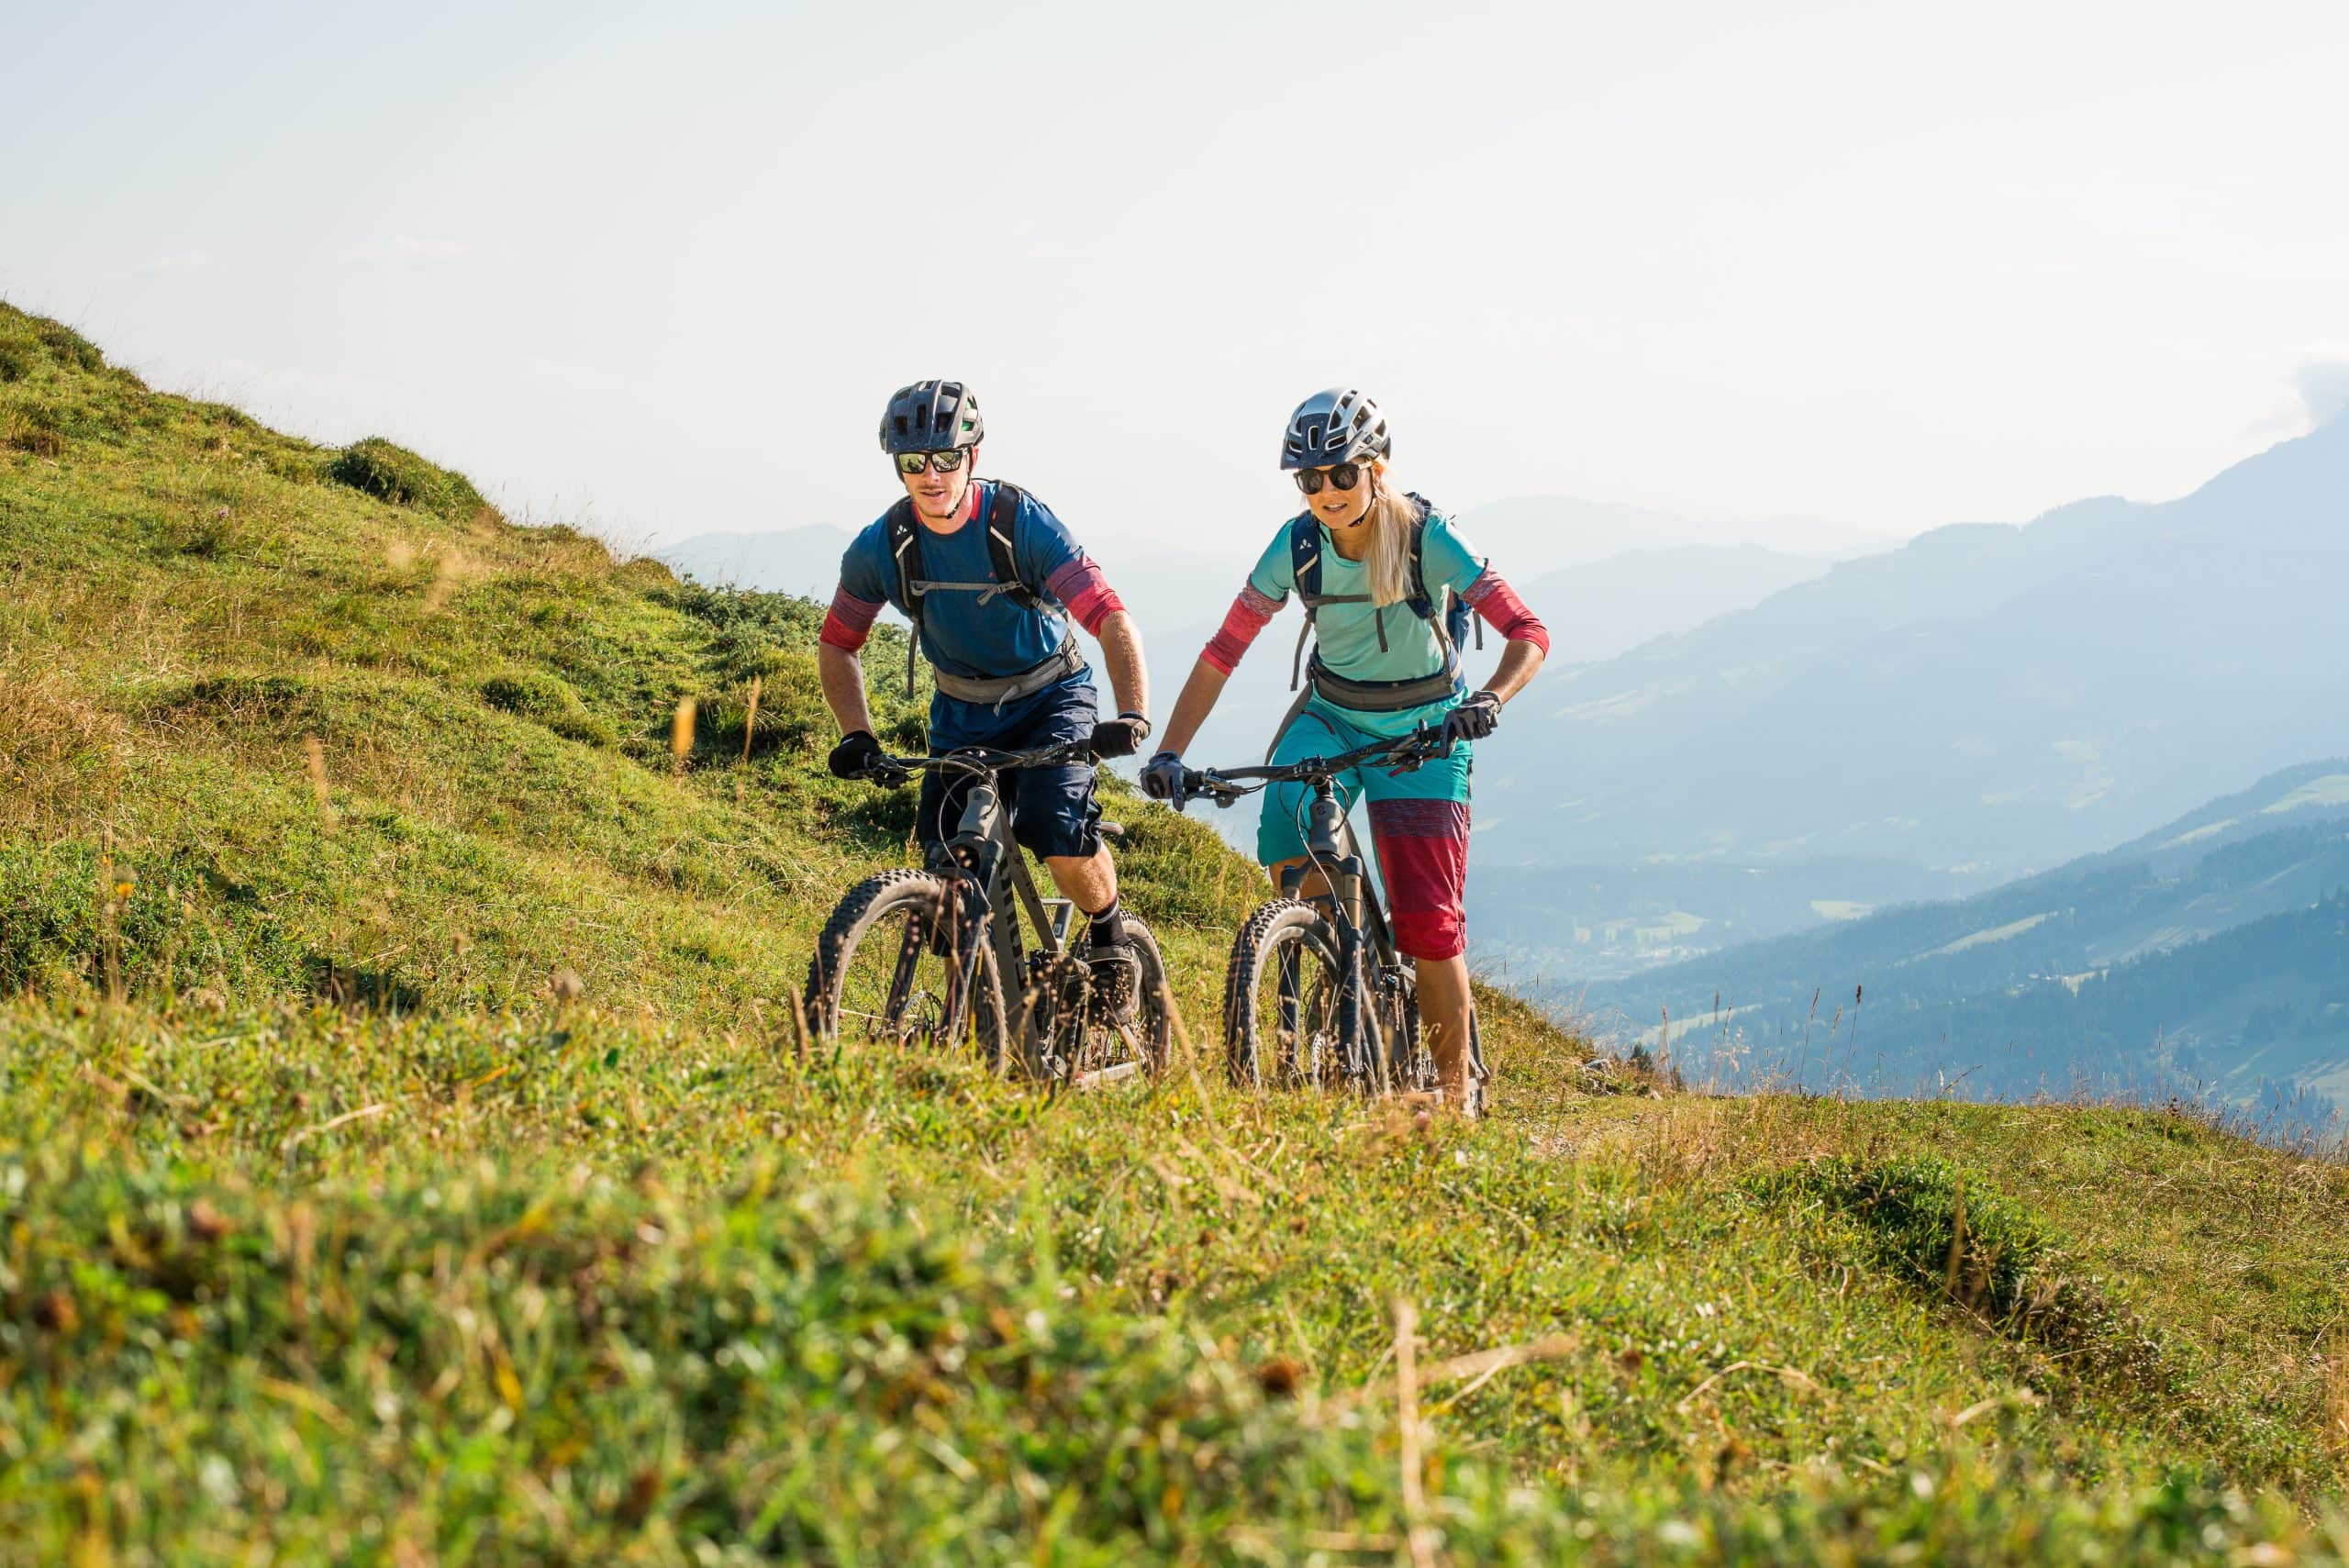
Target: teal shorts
[(1419, 823)]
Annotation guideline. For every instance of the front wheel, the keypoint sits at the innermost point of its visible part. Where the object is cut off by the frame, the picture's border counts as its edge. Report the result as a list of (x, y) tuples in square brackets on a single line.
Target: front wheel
[(1281, 997), (886, 968)]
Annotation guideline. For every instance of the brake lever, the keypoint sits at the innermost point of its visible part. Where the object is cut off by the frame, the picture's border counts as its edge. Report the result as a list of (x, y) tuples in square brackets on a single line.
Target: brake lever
[(1206, 786)]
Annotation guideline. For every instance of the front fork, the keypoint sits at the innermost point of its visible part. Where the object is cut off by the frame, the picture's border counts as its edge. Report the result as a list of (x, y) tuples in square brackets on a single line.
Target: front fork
[(1342, 873), (966, 864)]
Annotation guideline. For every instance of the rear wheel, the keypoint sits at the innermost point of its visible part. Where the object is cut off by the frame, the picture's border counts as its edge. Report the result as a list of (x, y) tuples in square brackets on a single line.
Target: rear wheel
[(1409, 1064), (1074, 1036), (1407, 1043), (1280, 997), (885, 969)]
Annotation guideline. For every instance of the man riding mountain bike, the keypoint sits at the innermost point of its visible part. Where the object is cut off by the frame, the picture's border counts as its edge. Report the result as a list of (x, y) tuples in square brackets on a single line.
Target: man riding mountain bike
[(989, 577), (1388, 585)]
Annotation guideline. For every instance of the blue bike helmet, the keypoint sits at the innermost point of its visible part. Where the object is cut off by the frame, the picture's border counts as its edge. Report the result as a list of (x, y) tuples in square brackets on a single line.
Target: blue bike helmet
[(932, 416), (1339, 424)]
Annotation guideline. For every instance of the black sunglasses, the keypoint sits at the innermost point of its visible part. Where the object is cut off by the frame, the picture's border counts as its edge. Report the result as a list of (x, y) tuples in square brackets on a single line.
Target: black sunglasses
[(912, 463), (1344, 475)]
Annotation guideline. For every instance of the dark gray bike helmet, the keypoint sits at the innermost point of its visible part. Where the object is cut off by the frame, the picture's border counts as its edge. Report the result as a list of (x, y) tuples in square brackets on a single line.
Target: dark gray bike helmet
[(1339, 424), (932, 416)]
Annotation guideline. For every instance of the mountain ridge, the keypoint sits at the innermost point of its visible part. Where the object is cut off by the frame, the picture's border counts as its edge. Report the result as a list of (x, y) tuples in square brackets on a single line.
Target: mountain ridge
[(2003, 682), (2057, 971)]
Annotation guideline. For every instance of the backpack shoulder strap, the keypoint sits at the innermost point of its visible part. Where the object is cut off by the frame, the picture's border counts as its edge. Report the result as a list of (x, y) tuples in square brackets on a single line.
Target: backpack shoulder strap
[(1003, 540), (1457, 617), (1304, 561), (902, 534), (1451, 624), (1304, 569), (1423, 603)]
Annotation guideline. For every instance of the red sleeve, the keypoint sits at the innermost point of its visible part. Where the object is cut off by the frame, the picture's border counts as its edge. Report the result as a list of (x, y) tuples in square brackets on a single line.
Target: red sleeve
[(1246, 617), (1499, 608), (850, 621), (1086, 593)]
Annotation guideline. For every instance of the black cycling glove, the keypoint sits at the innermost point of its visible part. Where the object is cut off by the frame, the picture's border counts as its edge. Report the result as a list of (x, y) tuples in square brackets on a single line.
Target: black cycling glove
[(856, 752), (1121, 735), (1161, 779), (1477, 716)]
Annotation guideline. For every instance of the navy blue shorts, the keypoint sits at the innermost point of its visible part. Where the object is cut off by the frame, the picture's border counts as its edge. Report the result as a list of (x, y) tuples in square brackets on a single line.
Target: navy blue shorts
[(1053, 809)]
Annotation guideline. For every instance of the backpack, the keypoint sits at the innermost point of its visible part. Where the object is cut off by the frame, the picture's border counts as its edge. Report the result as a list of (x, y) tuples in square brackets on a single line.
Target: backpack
[(902, 534), (1304, 561)]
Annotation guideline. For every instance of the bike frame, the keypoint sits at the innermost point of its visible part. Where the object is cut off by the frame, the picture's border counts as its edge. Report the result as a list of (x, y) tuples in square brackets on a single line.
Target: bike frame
[(988, 879), (1332, 853), (1366, 954)]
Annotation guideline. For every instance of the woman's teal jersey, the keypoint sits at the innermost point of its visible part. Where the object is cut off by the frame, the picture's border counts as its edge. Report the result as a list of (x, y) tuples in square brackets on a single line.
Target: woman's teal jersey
[(1348, 635)]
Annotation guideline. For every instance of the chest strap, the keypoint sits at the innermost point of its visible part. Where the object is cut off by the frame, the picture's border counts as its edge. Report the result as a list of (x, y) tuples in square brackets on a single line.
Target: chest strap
[(986, 591)]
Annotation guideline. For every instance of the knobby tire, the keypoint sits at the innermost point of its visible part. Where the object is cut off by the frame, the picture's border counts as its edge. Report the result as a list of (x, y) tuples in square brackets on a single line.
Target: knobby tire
[(1261, 1047), (924, 1000)]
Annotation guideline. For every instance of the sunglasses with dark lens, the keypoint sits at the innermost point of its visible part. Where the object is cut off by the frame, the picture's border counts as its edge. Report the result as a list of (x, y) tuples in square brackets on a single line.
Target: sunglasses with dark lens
[(1344, 476), (912, 463)]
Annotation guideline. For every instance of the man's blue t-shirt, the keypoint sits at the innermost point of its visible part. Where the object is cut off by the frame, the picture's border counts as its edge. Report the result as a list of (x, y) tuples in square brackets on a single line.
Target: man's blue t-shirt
[(960, 635)]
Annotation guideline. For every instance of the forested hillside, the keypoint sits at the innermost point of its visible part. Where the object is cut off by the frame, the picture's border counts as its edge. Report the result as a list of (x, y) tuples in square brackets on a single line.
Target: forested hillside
[(2206, 956)]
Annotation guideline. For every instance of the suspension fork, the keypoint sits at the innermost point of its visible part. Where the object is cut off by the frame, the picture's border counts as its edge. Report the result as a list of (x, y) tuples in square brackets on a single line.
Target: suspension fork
[(968, 865), (1344, 875)]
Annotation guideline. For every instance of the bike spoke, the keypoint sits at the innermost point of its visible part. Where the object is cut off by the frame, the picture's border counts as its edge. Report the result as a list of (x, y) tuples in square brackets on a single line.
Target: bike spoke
[(896, 987)]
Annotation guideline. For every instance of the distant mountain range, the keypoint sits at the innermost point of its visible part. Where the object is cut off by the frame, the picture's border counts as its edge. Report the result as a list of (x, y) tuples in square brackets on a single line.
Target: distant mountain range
[(1986, 698), (1602, 608), (1530, 535), (2214, 949), (804, 560)]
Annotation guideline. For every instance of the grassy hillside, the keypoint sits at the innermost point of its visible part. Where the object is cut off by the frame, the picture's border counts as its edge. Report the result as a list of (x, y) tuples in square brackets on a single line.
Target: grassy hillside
[(330, 1228)]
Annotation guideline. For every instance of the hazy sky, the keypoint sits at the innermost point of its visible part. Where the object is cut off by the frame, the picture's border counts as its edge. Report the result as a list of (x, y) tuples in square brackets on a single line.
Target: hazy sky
[(656, 268)]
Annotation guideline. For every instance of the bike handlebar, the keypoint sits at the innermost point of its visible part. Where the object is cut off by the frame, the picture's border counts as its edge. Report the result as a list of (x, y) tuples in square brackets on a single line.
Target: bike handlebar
[(1225, 785), (980, 760)]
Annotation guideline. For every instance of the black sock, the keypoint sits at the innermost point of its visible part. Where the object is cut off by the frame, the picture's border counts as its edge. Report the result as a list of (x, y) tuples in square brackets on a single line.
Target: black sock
[(1108, 925)]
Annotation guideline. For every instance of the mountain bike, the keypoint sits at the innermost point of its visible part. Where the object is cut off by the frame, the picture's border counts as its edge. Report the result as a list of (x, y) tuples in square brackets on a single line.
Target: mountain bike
[(919, 957), (1315, 990)]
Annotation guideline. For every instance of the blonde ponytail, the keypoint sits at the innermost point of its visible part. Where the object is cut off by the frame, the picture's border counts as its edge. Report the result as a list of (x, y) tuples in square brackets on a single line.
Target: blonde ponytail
[(1386, 565)]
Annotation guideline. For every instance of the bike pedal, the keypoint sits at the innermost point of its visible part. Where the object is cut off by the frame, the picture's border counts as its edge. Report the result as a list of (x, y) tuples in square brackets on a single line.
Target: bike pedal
[(1119, 994)]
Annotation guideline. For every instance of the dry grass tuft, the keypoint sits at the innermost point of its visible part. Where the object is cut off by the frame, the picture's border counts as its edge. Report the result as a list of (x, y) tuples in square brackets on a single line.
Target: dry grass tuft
[(48, 734), (33, 428), (314, 755)]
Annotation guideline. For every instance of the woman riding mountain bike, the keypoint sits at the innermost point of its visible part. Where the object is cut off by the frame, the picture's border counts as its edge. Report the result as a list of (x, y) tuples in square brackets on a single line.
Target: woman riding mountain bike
[(1388, 584)]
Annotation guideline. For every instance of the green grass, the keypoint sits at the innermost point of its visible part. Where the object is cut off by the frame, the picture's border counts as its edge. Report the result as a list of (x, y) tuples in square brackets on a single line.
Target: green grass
[(328, 1231)]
